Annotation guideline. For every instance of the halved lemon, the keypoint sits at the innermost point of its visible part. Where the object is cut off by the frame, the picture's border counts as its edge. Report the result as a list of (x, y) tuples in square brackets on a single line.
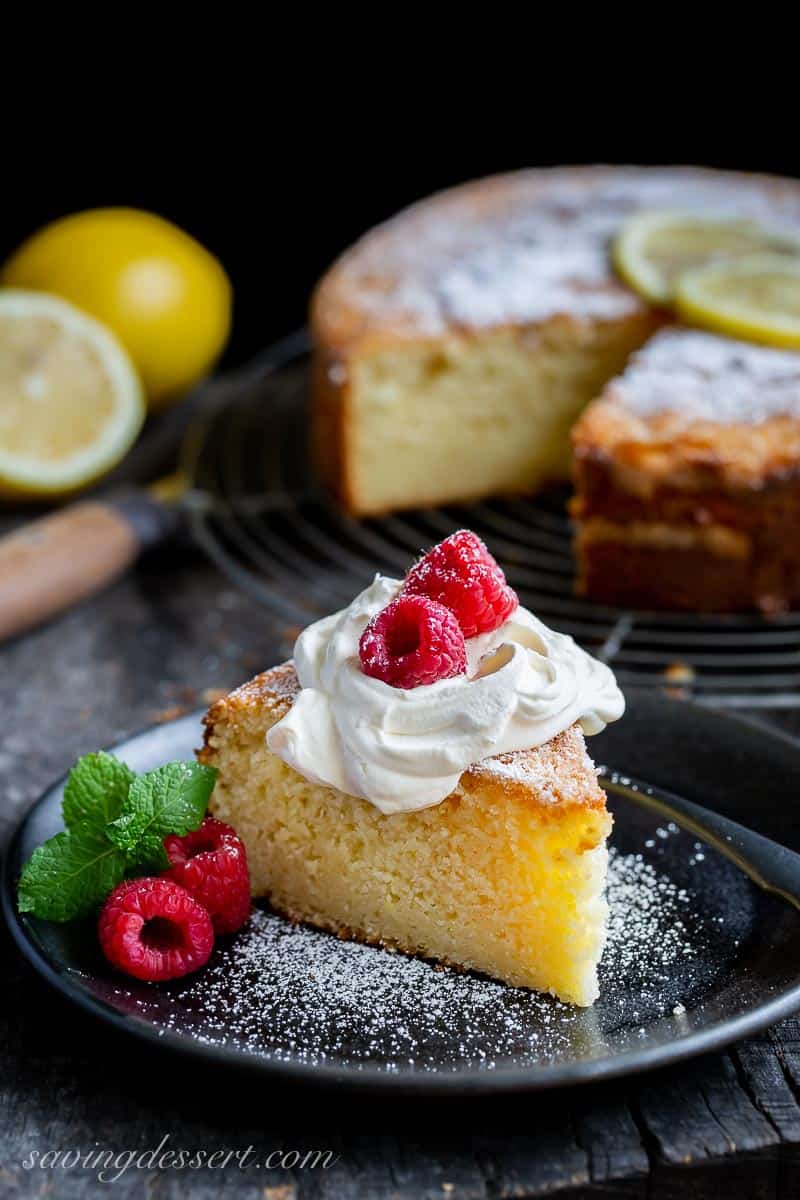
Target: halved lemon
[(71, 403), (164, 296), (757, 299), (654, 249)]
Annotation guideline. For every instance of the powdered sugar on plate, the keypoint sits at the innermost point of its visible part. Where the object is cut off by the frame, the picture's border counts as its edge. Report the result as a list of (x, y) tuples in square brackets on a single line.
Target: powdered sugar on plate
[(293, 993)]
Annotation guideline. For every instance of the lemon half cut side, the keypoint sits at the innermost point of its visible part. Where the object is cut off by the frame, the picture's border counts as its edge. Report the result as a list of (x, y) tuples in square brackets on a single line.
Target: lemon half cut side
[(165, 297), (71, 403), (756, 299), (653, 249)]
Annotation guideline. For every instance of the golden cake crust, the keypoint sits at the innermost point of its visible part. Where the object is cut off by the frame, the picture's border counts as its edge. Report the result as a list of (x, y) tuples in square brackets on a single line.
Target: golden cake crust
[(554, 774), (687, 474), (696, 410), (517, 249)]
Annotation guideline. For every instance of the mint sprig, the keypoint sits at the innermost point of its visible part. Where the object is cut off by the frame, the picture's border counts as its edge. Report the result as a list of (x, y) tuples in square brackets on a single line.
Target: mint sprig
[(116, 824), (70, 874), (96, 789), (171, 799)]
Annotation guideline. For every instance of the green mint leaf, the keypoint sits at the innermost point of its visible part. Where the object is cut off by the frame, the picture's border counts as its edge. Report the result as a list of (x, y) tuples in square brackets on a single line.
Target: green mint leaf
[(71, 874), (171, 799), (97, 786), (129, 833)]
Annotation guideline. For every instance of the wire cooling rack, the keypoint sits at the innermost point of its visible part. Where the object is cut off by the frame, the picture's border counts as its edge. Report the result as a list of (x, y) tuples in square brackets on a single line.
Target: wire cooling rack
[(260, 514)]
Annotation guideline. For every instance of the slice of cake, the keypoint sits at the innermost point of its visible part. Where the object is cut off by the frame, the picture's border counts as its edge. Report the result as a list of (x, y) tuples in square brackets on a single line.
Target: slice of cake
[(506, 875), (458, 818), (687, 473), (455, 345)]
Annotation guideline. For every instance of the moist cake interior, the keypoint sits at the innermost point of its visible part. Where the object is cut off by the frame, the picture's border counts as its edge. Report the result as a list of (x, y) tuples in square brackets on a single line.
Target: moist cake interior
[(506, 875), (453, 421)]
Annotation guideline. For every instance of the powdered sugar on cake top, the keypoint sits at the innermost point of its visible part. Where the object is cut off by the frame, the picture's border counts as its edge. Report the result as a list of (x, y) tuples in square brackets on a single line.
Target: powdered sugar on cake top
[(524, 248), (520, 283), (709, 378), (542, 775)]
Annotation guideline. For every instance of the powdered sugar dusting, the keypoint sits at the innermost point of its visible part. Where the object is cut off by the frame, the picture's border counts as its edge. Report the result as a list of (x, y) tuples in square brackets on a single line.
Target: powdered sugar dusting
[(709, 378), (528, 247), (543, 776), (531, 279), (278, 686)]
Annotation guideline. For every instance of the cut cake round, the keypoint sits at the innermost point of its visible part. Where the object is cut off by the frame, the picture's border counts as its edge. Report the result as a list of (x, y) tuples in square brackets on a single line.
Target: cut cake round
[(455, 345)]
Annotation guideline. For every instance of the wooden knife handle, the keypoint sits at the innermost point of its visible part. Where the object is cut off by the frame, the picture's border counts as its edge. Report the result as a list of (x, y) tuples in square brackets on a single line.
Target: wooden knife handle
[(52, 563)]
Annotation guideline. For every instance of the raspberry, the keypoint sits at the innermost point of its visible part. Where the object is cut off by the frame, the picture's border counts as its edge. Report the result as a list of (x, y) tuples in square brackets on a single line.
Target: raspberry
[(211, 864), (412, 641), (461, 574), (153, 929)]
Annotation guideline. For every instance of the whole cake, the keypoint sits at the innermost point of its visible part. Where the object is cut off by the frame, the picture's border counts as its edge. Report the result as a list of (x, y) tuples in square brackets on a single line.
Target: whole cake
[(418, 777), (456, 346)]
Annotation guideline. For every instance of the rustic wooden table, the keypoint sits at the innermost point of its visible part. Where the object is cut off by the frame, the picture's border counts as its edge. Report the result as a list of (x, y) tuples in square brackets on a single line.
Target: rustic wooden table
[(161, 643)]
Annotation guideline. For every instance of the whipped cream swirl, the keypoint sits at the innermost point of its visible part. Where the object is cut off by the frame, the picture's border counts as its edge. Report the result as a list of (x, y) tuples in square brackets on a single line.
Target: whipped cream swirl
[(405, 749)]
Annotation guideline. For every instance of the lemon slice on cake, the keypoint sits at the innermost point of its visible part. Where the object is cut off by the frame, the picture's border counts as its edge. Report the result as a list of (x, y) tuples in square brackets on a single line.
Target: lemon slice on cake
[(757, 299), (654, 249), (71, 403)]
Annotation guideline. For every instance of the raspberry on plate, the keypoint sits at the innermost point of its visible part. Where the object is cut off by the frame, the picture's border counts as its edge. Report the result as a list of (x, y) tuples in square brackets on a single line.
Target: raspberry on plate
[(153, 929), (413, 641), (461, 574), (211, 864)]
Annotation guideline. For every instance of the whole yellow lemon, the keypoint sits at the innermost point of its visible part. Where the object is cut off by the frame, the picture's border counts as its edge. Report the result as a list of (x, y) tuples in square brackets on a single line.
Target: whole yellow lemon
[(167, 299)]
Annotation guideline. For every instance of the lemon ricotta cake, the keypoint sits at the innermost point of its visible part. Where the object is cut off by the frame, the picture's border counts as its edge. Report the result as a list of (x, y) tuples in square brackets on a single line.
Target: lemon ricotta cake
[(459, 819), (456, 345)]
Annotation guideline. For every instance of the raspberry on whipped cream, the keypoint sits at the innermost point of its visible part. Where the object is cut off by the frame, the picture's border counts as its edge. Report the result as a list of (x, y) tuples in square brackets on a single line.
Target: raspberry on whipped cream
[(461, 574), (412, 642), (405, 749)]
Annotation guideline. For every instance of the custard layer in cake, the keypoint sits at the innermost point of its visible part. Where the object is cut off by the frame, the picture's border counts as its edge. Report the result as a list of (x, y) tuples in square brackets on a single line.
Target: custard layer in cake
[(455, 345), (687, 473), (505, 876)]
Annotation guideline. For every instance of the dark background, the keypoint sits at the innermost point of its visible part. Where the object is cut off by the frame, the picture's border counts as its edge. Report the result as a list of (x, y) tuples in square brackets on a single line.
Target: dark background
[(277, 201)]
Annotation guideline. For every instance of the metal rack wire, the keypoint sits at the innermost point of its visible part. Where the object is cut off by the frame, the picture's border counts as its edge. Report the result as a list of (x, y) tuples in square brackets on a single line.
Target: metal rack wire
[(259, 513)]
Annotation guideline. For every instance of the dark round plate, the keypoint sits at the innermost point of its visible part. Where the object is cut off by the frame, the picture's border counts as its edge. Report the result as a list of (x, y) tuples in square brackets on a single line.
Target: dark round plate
[(697, 957)]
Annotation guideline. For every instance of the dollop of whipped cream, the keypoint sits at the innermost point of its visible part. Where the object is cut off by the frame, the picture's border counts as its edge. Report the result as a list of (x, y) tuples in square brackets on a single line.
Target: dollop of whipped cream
[(405, 749)]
